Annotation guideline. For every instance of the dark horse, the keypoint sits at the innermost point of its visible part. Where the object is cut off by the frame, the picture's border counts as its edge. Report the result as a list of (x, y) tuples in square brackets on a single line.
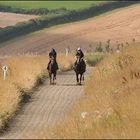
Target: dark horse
[(52, 69), (79, 68)]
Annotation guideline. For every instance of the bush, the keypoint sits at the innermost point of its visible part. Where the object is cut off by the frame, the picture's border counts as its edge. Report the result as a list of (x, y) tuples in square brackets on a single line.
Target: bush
[(99, 49), (93, 59), (39, 11)]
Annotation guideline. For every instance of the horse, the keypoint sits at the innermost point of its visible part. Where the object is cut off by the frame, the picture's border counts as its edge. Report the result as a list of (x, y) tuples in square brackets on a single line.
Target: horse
[(52, 69), (79, 68)]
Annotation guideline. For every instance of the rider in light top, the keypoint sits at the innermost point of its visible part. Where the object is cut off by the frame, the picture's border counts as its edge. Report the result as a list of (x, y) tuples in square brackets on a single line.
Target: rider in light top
[(79, 52), (79, 65)]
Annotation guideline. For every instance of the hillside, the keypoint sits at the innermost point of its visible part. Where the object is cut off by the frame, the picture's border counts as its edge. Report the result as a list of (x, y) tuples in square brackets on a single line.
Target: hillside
[(119, 26)]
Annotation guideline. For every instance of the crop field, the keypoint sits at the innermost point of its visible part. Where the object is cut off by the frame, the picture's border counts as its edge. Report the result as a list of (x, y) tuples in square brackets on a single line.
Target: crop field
[(49, 4), (8, 19)]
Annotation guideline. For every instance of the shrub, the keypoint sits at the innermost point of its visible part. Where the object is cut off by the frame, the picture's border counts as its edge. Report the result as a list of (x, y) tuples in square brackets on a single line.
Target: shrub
[(99, 49), (93, 59)]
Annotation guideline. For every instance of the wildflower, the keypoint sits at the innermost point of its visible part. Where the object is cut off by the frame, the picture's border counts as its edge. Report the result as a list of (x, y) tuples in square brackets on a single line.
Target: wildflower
[(84, 114)]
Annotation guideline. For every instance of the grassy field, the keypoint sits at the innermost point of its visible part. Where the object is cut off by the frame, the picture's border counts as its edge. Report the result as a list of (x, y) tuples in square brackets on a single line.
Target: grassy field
[(24, 73), (49, 4), (110, 107)]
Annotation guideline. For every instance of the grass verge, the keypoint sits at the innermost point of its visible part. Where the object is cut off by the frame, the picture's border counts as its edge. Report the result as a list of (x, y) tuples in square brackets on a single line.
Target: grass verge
[(25, 74)]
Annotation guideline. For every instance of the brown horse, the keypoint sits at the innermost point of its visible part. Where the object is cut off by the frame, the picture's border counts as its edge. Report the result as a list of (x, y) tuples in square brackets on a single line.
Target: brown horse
[(52, 69)]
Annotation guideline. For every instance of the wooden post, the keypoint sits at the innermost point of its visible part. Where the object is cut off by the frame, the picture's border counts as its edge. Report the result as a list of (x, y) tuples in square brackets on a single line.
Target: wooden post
[(67, 51), (5, 69)]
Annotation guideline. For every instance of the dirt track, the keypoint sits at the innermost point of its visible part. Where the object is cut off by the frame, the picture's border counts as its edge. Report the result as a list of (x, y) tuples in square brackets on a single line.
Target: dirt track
[(48, 104), (121, 25), (8, 19)]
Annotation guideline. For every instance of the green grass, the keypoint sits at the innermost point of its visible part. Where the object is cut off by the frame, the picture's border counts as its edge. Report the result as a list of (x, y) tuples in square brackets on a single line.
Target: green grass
[(50, 4), (93, 58)]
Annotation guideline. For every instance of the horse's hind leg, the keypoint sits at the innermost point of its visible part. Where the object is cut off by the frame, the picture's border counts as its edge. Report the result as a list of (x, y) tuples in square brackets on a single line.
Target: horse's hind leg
[(55, 76), (50, 78), (77, 78), (80, 78), (83, 77)]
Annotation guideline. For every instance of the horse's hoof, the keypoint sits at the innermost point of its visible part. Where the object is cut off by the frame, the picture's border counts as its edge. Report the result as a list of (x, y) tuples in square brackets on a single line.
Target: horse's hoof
[(77, 83)]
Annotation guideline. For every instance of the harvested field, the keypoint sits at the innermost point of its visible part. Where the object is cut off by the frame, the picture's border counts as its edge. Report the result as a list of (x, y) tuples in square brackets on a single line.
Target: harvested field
[(120, 25), (8, 19)]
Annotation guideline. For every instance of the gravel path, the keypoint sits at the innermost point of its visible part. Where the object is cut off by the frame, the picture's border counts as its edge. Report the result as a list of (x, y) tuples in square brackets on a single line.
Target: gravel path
[(48, 105)]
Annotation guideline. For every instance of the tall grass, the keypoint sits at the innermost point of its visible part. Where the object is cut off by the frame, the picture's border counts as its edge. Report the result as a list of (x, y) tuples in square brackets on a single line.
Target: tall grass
[(25, 72), (110, 107)]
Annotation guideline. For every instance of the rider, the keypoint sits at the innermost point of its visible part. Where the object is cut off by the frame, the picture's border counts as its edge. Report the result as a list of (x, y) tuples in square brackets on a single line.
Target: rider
[(52, 55), (80, 52)]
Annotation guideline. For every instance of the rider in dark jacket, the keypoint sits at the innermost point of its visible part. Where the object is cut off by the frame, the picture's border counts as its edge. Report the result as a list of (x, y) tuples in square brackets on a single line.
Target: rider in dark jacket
[(53, 55)]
